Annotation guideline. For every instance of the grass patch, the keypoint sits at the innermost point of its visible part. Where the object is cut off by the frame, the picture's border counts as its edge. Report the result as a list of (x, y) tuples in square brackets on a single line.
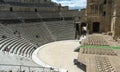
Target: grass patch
[(113, 47), (95, 47)]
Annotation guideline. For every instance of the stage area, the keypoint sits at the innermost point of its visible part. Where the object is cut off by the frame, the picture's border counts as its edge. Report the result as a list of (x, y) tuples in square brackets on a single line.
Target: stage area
[(60, 54)]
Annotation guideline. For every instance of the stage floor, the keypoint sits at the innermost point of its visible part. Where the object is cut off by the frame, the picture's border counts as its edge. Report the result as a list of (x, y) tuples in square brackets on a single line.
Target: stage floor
[(60, 54)]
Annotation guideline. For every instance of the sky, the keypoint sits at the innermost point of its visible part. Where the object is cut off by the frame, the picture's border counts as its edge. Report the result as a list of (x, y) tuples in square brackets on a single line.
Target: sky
[(73, 4)]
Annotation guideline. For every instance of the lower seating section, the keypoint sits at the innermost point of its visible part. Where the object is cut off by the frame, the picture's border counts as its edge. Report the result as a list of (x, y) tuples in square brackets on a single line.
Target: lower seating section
[(45, 32), (19, 41), (5, 29), (16, 45), (14, 59), (10, 62), (16, 53)]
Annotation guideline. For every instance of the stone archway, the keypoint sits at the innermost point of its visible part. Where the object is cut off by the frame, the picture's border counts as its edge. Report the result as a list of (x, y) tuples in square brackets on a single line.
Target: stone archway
[(79, 26), (96, 27)]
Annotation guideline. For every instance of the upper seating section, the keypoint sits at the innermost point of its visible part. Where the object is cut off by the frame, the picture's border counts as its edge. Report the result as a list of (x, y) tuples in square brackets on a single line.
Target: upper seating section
[(33, 15), (34, 32), (7, 15), (1, 1), (62, 30), (27, 15), (18, 15), (28, 3), (70, 14), (48, 15)]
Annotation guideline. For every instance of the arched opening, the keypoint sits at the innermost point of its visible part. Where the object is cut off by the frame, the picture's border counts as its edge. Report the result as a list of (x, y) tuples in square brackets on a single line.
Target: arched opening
[(36, 10), (105, 1), (11, 9), (104, 13), (79, 29), (96, 27)]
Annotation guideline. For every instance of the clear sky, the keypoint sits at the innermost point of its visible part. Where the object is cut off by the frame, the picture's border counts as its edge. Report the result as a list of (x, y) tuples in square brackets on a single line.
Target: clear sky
[(73, 4)]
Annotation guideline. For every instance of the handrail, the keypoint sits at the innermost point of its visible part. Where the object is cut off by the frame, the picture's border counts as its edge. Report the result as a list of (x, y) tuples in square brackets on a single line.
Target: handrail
[(20, 65), (29, 67)]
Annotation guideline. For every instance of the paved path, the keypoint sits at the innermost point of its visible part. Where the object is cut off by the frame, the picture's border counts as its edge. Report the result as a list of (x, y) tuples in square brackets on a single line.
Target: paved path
[(60, 54)]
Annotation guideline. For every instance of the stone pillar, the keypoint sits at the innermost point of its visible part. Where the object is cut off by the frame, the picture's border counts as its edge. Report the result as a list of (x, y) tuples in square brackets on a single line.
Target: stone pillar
[(115, 27)]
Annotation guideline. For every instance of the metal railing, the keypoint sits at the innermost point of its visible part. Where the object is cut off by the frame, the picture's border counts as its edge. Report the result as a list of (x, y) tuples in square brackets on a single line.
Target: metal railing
[(24, 68)]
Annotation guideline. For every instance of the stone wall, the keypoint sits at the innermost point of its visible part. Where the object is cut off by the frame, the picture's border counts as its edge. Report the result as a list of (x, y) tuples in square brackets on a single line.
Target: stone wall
[(107, 13), (28, 1), (31, 9), (32, 5), (99, 11), (115, 23)]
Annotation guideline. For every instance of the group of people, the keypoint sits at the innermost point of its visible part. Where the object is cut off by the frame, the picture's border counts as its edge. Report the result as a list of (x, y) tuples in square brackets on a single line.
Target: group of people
[(6, 49), (17, 33)]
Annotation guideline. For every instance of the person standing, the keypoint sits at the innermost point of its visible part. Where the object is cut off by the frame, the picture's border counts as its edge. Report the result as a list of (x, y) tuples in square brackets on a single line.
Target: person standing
[(84, 31)]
